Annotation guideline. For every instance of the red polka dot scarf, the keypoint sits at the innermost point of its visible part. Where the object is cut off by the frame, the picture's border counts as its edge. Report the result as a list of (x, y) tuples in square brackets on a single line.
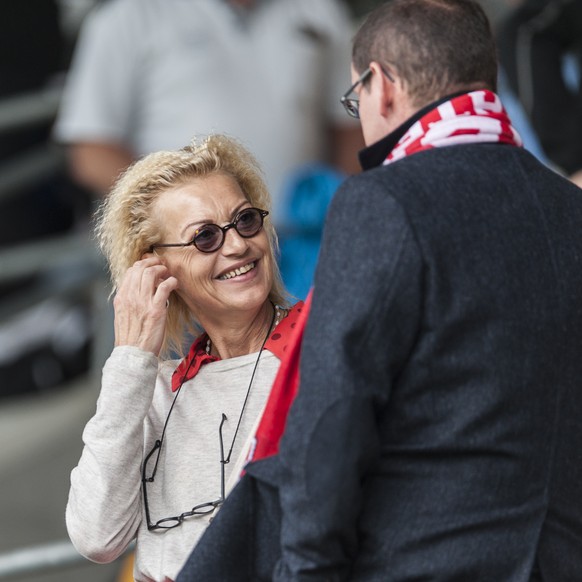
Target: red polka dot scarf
[(476, 117), (197, 356)]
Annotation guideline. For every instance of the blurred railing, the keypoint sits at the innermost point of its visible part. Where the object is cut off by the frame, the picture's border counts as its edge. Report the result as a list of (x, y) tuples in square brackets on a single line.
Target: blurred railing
[(29, 109), (46, 558), (18, 113), (65, 265)]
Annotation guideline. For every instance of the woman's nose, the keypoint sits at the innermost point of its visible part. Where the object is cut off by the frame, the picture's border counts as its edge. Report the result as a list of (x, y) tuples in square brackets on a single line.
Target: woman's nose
[(234, 243)]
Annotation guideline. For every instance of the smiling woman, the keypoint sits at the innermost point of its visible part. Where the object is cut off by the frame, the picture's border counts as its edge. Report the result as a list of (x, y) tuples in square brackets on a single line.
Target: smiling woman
[(191, 251)]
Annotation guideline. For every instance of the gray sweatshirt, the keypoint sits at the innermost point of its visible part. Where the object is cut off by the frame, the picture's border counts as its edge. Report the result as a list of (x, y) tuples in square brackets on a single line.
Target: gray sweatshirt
[(105, 507)]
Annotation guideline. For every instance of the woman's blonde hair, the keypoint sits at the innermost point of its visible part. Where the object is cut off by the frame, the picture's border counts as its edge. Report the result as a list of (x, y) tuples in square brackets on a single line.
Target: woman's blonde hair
[(125, 228)]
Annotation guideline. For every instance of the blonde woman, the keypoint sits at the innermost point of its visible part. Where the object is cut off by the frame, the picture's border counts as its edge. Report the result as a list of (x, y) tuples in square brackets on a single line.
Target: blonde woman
[(192, 253)]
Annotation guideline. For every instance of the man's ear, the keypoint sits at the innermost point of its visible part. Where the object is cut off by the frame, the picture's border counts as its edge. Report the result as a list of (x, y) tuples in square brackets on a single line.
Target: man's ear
[(383, 88), (149, 255)]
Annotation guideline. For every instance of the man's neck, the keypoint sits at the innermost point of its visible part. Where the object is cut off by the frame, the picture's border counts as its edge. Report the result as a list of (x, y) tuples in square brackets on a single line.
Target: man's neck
[(376, 153)]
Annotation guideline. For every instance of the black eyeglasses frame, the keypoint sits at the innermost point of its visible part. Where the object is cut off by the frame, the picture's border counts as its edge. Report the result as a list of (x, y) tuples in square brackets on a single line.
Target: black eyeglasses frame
[(352, 104), (223, 229), (200, 509)]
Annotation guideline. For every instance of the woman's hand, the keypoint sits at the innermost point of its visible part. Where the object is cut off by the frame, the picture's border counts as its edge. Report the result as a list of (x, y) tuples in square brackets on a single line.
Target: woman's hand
[(140, 305)]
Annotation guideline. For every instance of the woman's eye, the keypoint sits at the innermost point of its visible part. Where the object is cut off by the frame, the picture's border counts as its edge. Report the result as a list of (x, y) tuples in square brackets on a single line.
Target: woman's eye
[(204, 234)]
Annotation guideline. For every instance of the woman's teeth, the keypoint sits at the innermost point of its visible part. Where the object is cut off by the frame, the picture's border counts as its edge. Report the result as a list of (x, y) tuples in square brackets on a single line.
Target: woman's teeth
[(237, 272)]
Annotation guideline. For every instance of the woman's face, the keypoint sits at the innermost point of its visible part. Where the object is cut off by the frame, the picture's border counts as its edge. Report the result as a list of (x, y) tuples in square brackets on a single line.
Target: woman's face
[(208, 282)]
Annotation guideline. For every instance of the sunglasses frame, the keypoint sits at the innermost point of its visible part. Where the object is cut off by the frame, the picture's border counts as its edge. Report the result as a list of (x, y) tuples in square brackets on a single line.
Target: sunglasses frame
[(222, 229)]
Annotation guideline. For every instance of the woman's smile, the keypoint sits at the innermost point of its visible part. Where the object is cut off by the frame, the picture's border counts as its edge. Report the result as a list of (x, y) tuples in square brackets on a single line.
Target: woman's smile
[(238, 272)]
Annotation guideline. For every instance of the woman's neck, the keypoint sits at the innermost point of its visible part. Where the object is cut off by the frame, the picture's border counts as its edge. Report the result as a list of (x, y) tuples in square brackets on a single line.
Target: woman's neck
[(243, 335)]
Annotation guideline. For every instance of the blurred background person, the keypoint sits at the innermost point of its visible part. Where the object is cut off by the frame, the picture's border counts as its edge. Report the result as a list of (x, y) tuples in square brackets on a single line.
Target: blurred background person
[(190, 246), (149, 74), (540, 48)]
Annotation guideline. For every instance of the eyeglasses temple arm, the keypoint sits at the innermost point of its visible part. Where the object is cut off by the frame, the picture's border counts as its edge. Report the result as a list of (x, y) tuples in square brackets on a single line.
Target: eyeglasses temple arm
[(222, 461)]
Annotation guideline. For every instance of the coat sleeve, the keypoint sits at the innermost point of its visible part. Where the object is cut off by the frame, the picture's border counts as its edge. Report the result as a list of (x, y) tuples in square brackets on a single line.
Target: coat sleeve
[(104, 507), (365, 316)]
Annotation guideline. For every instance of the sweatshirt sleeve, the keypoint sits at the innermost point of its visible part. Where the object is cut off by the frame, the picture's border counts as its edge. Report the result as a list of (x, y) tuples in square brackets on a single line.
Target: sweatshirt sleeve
[(104, 507), (364, 319)]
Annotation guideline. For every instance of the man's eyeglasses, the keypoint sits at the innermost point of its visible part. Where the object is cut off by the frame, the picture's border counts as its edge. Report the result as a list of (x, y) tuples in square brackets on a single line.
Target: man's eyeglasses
[(201, 508), (210, 237), (352, 104)]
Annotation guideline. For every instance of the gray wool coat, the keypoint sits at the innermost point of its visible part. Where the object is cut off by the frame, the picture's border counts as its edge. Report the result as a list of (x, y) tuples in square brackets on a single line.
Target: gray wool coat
[(437, 433)]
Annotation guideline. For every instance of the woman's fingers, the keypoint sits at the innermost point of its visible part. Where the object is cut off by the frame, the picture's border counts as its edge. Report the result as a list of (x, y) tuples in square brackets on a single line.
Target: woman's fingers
[(142, 280), (140, 305), (165, 288)]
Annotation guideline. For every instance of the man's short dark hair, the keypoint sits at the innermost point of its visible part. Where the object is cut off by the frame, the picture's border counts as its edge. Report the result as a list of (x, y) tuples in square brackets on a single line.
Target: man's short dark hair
[(436, 47)]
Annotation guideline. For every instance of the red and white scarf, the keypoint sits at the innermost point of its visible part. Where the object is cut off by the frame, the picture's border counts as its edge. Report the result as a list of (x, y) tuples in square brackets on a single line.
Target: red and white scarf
[(476, 117)]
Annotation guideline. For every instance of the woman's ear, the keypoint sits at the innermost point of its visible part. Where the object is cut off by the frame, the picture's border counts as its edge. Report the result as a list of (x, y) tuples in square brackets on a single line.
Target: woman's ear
[(149, 255)]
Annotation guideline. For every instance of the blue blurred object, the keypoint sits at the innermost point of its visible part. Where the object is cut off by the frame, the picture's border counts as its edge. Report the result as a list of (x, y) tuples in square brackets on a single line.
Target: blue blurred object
[(308, 192), (520, 120)]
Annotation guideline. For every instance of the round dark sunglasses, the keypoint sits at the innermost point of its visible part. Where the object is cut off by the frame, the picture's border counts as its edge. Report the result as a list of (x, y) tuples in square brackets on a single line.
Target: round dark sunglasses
[(210, 237)]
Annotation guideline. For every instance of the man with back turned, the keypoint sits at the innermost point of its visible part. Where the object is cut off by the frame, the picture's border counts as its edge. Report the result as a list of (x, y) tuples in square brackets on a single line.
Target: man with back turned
[(436, 434)]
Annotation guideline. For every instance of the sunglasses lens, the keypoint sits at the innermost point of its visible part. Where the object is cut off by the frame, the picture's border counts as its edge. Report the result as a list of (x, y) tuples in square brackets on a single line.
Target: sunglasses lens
[(249, 222), (208, 238)]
